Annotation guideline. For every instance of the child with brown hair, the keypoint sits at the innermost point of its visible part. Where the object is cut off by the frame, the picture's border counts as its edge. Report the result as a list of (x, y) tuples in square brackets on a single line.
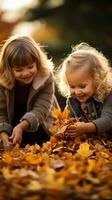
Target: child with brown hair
[(85, 78), (26, 91)]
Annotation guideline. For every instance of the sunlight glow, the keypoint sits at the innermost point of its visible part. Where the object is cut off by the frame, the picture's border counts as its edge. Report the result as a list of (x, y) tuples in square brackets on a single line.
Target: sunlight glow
[(15, 4), (15, 9), (26, 28), (54, 3)]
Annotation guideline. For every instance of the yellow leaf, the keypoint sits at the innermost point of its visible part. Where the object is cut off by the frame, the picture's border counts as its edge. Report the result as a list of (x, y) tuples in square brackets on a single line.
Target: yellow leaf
[(34, 185), (104, 155), (62, 129), (91, 165), (32, 159), (84, 150), (6, 172)]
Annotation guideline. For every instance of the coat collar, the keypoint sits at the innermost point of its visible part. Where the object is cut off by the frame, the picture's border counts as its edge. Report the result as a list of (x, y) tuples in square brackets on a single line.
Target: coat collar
[(92, 109), (40, 80)]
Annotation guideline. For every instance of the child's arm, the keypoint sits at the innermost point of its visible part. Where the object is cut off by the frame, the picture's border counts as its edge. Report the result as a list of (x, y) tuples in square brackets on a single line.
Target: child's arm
[(5, 140), (16, 136), (104, 122), (80, 128), (5, 126), (41, 107)]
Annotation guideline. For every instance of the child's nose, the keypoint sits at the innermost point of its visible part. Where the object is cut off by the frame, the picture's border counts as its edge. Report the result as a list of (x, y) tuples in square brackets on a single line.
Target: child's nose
[(77, 92), (25, 73)]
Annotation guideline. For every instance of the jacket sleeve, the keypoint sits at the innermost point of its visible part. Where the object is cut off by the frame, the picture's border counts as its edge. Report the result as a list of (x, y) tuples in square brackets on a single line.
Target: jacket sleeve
[(104, 123), (4, 122), (42, 105)]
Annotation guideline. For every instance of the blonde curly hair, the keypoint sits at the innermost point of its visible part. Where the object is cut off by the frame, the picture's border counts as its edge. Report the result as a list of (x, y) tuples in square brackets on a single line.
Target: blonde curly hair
[(83, 54)]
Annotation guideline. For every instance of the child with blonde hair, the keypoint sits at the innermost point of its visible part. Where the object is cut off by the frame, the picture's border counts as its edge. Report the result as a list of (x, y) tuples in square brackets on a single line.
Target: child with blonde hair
[(85, 78), (26, 91)]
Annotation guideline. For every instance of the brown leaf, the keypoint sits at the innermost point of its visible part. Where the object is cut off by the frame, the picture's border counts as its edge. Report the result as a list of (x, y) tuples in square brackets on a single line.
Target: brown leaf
[(57, 164)]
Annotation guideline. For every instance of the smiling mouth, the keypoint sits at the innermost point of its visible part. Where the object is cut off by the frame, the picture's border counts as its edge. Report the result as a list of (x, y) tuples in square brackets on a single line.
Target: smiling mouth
[(27, 78), (81, 96)]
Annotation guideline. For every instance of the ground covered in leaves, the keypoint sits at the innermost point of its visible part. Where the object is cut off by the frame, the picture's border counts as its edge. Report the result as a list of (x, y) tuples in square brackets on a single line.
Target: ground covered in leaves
[(61, 169)]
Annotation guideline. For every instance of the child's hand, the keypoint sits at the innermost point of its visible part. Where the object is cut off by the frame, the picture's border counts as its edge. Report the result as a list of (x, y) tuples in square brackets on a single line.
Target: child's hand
[(16, 136), (77, 129), (6, 141)]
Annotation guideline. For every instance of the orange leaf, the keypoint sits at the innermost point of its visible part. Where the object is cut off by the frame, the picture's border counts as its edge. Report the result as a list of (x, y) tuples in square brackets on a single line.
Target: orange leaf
[(53, 139), (7, 158), (56, 113), (32, 159), (53, 128)]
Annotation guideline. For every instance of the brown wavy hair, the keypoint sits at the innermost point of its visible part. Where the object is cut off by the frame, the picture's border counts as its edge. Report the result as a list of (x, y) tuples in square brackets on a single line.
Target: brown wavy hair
[(21, 50)]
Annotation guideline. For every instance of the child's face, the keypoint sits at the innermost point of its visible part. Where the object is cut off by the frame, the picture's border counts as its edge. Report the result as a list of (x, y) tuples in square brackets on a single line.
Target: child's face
[(81, 83), (25, 74)]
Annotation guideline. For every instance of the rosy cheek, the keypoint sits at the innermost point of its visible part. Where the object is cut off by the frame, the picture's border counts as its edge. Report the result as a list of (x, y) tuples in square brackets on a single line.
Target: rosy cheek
[(71, 91)]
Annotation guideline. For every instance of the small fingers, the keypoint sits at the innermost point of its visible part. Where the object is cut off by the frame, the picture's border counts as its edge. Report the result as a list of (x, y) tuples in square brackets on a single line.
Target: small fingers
[(71, 134), (12, 136), (16, 140), (72, 127), (71, 131)]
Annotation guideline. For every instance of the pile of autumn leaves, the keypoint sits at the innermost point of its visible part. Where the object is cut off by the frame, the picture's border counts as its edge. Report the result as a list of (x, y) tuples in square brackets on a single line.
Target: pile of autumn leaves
[(61, 169)]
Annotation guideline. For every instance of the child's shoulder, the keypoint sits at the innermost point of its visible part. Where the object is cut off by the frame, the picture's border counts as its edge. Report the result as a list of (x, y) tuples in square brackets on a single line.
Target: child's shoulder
[(108, 99), (42, 80), (3, 90), (2, 87)]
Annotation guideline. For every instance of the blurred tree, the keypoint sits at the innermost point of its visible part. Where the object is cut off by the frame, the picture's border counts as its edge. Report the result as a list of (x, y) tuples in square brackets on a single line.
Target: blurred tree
[(76, 21), (6, 27)]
